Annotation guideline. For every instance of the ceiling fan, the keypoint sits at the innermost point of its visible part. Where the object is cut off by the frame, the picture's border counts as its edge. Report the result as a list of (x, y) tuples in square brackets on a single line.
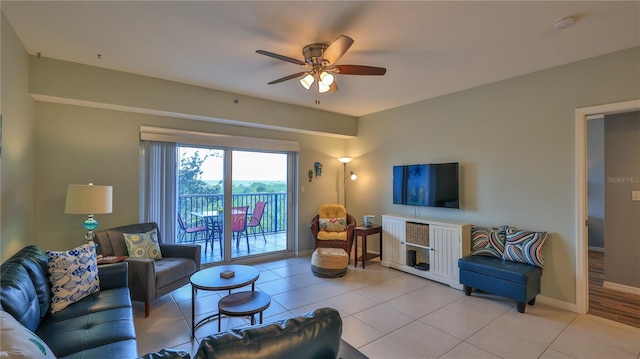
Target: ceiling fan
[(319, 62)]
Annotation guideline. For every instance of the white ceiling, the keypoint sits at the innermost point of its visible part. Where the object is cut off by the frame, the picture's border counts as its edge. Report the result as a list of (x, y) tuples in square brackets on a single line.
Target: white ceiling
[(429, 48)]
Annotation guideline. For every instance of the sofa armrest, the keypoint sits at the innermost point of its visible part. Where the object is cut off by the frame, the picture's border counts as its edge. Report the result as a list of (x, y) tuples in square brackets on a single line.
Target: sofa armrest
[(113, 275), (188, 251), (142, 279)]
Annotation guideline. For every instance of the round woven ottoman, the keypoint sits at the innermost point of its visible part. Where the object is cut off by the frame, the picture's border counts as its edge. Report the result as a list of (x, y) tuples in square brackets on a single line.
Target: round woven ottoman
[(329, 262)]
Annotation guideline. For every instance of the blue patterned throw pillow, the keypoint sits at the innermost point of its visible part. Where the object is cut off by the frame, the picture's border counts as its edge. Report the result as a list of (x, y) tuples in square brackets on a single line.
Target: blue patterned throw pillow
[(488, 241), (73, 275), (525, 247), (143, 245)]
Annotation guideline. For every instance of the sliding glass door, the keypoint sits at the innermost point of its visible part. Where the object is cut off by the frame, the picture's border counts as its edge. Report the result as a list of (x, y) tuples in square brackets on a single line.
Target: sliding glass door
[(232, 202), (259, 192)]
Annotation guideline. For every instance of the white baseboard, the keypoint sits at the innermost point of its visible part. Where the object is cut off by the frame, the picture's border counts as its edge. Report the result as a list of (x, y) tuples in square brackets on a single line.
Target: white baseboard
[(621, 287), (596, 249), (305, 253), (556, 303)]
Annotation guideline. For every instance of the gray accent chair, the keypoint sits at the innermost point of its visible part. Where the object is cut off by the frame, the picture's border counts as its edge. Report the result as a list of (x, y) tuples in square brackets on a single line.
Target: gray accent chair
[(151, 279)]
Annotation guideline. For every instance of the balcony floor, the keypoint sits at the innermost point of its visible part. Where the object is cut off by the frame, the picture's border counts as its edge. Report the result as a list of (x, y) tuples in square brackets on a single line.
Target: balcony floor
[(257, 245)]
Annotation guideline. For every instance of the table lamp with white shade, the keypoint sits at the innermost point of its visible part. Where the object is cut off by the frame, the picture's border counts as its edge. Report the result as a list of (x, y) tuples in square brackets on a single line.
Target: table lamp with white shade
[(89, 200)]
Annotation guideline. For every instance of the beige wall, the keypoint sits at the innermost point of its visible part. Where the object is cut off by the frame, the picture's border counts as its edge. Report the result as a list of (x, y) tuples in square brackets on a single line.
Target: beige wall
[(515, 142), (17, 167), (80, 145), (67, 82)]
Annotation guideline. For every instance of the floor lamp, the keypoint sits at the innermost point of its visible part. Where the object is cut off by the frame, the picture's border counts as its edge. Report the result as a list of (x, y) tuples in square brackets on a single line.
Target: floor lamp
[(353, 176)]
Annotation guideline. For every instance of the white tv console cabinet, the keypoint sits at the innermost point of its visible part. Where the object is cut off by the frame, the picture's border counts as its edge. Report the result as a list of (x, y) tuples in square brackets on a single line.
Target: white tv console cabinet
[(437, 246)]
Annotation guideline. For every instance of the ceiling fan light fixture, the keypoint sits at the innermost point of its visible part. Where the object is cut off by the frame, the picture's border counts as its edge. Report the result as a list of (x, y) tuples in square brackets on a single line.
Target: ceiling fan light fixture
[(319, 65), (326, 78), (322, 88), (307, 81)]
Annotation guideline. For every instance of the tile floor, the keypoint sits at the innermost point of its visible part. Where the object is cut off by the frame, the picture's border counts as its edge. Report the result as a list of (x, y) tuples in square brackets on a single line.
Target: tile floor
[(390, 314)]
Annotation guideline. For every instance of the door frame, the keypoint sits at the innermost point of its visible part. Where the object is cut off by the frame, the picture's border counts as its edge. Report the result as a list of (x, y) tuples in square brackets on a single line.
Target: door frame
[(582, 115)]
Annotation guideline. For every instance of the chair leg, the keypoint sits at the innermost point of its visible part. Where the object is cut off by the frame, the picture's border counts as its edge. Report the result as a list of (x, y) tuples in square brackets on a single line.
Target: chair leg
[(246, 235), (262, 230), (147, 309)]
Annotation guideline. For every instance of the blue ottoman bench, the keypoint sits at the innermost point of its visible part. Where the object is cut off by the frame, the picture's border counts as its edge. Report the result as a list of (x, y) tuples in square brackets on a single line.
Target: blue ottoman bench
[(518, 281)]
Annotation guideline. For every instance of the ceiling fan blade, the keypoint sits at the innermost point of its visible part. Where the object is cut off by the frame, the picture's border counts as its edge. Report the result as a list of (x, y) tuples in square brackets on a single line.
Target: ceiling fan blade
[(286, 78), (337, 48), (281, 57), (360, 70)]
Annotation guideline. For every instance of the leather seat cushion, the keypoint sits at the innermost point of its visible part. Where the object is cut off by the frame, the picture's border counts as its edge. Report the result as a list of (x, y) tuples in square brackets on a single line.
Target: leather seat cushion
[(93, 330), (98, 302)]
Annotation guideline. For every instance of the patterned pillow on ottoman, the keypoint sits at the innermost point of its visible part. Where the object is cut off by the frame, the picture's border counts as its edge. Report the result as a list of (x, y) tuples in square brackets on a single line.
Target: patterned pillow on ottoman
[(488, 241), (525, 247)]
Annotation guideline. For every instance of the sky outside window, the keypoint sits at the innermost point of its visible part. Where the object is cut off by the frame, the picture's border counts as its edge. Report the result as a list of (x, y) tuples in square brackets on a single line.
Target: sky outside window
[(247, 165)]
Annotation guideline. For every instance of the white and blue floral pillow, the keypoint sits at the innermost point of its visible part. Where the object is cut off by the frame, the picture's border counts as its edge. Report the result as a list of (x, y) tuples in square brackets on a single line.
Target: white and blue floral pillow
[(73, 275), (333, 224)]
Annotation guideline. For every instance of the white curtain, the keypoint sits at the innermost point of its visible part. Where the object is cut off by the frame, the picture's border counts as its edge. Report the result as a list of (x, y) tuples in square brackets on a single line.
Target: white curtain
[(159, 187)]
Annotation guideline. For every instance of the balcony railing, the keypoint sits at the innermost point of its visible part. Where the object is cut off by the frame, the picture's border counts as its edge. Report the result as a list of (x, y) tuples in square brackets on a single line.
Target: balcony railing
[(274, 218)]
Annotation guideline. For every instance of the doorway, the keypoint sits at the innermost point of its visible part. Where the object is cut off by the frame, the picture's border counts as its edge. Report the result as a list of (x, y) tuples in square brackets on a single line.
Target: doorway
[(582, 253)]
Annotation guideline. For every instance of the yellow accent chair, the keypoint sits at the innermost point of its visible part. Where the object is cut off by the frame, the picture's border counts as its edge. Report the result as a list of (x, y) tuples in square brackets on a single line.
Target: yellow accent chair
[(333, 227)]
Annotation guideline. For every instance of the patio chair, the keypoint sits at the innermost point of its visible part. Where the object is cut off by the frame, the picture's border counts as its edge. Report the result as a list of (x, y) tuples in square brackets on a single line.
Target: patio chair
[(256, 218), (239, 224), (192, 229)]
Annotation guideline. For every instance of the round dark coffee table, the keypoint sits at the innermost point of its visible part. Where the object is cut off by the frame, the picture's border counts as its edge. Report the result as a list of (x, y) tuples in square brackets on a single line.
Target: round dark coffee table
[(243, 304), (209, 279)]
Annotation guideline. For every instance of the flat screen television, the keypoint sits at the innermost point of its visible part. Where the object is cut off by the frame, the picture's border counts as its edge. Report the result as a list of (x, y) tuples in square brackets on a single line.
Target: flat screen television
[(429, 185)]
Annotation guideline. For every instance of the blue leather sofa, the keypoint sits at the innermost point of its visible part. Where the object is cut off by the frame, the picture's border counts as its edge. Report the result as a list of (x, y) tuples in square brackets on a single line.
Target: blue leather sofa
[(98, 326), (312, 335), (518, 281)]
